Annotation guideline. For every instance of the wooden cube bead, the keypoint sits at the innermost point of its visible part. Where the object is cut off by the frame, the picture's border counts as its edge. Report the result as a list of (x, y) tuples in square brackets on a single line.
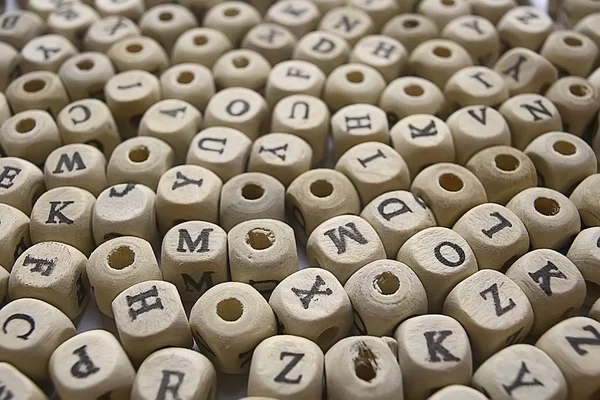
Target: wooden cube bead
[(572, 12), (410, 29), (46, 53), (84, 75), (272, 41), (495, 234), (350, 23), (585, 254), (492, 10), (475, 85), (411, 95), (493, 310), (324, 49), (31, 331), (188, 82), (307, 117), (21, 183), (200, 45), (435, 346), (477, 35), (298, 16), (550, 217), (525, 71), (343, 245), (294, 77), (31, 135), (228, 322), (577, 102), (138, 53), (552, 300), (595, 311), (241, 68), (571, 52), (352, 83), (387, 55), (53, 272), (358, 123), (317, 195), (105, 32), (374, 168), (250, 196), (38, 90), (10, 65), (3, 284), (232, 18), (450, 190), (16, 383), (194, 258), (588, 26), (574, 345), (457, 392), (313, 304), (442, 12), (520, 371), (175, 372), (438, 59), (91, 365), (72, 21), (525, 26), (384, 293), (362, 367), (19, 27), (126, 209), (166, 22), (287, 366), (585, 197), (380, 12)]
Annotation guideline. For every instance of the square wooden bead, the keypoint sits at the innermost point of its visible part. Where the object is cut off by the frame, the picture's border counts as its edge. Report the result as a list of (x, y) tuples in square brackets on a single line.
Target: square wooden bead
[(46, 53), (411, 95), (324, 49), (106, 31), (387, 55), (19, 27), (477, 35), (192, 83), (166, 22), (274, 42), (241, 68), (21, 183), (233, 19), (571, 52), (294, 77), (492, 10), (91, 365), (410, 29), (577, 102), (38, 90), (571, 12), (53, 272), (10, 67), (85, 75), (585, 254), (525, 71), (299, 17), (438, 59), (442, 12), (31, 331), (138, 53), (588, 26), (358, 123), (14, 236), (525, 26), (476, 85), (585, 199), (352, 83), (72, 21), (201, 46), (15, 382), (348, 22), (131, 9)]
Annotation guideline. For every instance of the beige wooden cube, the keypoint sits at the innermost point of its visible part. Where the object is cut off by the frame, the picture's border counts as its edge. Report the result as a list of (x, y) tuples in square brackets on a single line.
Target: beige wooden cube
[(410, 29), (438, 59), (84, 75), (16, 383), (492, 10), (192, 83), (588, 26), (91, 365), (176, 372), (457, 392), (441, 259), (383, 294), (200, 45), (131, 9), (477, 35), (19, 27), (53, 272), (299, 17), (525, 71), (272, 41), (520, 371), (241, 68), (571, 12), (410, 95), (9, 65), (595, 311), (233, 19), (358, 123), (362, 367), (228, 322), (14, 236), (574, 345), (380, 11), (352, 83), (550, 217), (313, 304), (387, 55), (552, 283), (442, 12), (37, 90), (31, 331), (571, 52), (476, 85), (348, 22), (324, 49), (3, 284), (493, 309), (21, 183), (343, 245), (525, 26), (138, 53), (585, 254), (105, 32), (435, 346), (166, 22), (117, 265), (585, 198), (46, 53), (72, 21), (293, 77)]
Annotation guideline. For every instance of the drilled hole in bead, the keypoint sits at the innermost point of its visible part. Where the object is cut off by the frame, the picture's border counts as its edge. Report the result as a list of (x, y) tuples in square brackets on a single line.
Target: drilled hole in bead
[(139, 154), (34, 85), (355, 76), (410, 23), (230, 309), (572, 41), (134, 48), (85, 65), (442, 52), (579, 90), (565, 148), (321, 188), (185, 77), (260, 239), (414, 90), (231, 12), (200, 40), (328, 336), (365, 363), (121, 257), (451, 182), (25, 125), (165, 16), (241, 62), (546, 206), (386, 283), (506, 162), (252, 191)]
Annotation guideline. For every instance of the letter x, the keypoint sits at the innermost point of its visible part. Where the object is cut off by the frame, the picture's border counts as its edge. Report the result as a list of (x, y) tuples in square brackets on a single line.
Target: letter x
[(306, 296)]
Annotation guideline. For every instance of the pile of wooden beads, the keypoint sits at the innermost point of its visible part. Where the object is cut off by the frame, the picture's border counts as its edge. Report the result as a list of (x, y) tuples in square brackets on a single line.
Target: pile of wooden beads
[(173, 166)]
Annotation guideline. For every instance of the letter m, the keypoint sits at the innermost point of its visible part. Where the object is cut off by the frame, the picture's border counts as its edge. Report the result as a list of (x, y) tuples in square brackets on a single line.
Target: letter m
[(76, 162), (187, 245)]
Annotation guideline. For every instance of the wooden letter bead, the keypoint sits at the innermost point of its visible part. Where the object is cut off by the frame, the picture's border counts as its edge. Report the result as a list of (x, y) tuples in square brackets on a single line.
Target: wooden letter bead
[(228, 322), (252, 195), (241, 68), (362, 367), (477, 35), (21, 183), (150, 316), (324, 49), (387, 55), (520, 371), (351, 83), (238, 108), (166, 22), (64, 214), (138, 53), (493, 310), (438, 59), (350, 23), (585, 197), (313, 304), (411, 95), (298, 16), (495, 234), (306, 117), (3, 284), (188, 82), (176, 372), (15, 382), (32, 330), (91, 365), (14, 236), (38, 90), (410, 29), (475, 86), (201, 46), (492, 10), (450, 190), (525, 26), (53, 272), (577, 102), (117, 265), (31, 135), (550, 218), (595, 311), (103, 33), (457, 392), (287, 367), (441, 258), (435, 346), (131, 9), (574, 345), (525, 71), (384, 293), (552, 300), (84, 75), (140, 160), (571, 12), (46, 53), (232, 18), (317, 195), (127, 209), (281, 155), (344, 244), (588, 26), (19, 27), (294, 77), (10, 65), (442, 12), (274, 42), (78, 165), (571, 52), (475, 128), (72, 21), (358, 123), (374, 168)]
